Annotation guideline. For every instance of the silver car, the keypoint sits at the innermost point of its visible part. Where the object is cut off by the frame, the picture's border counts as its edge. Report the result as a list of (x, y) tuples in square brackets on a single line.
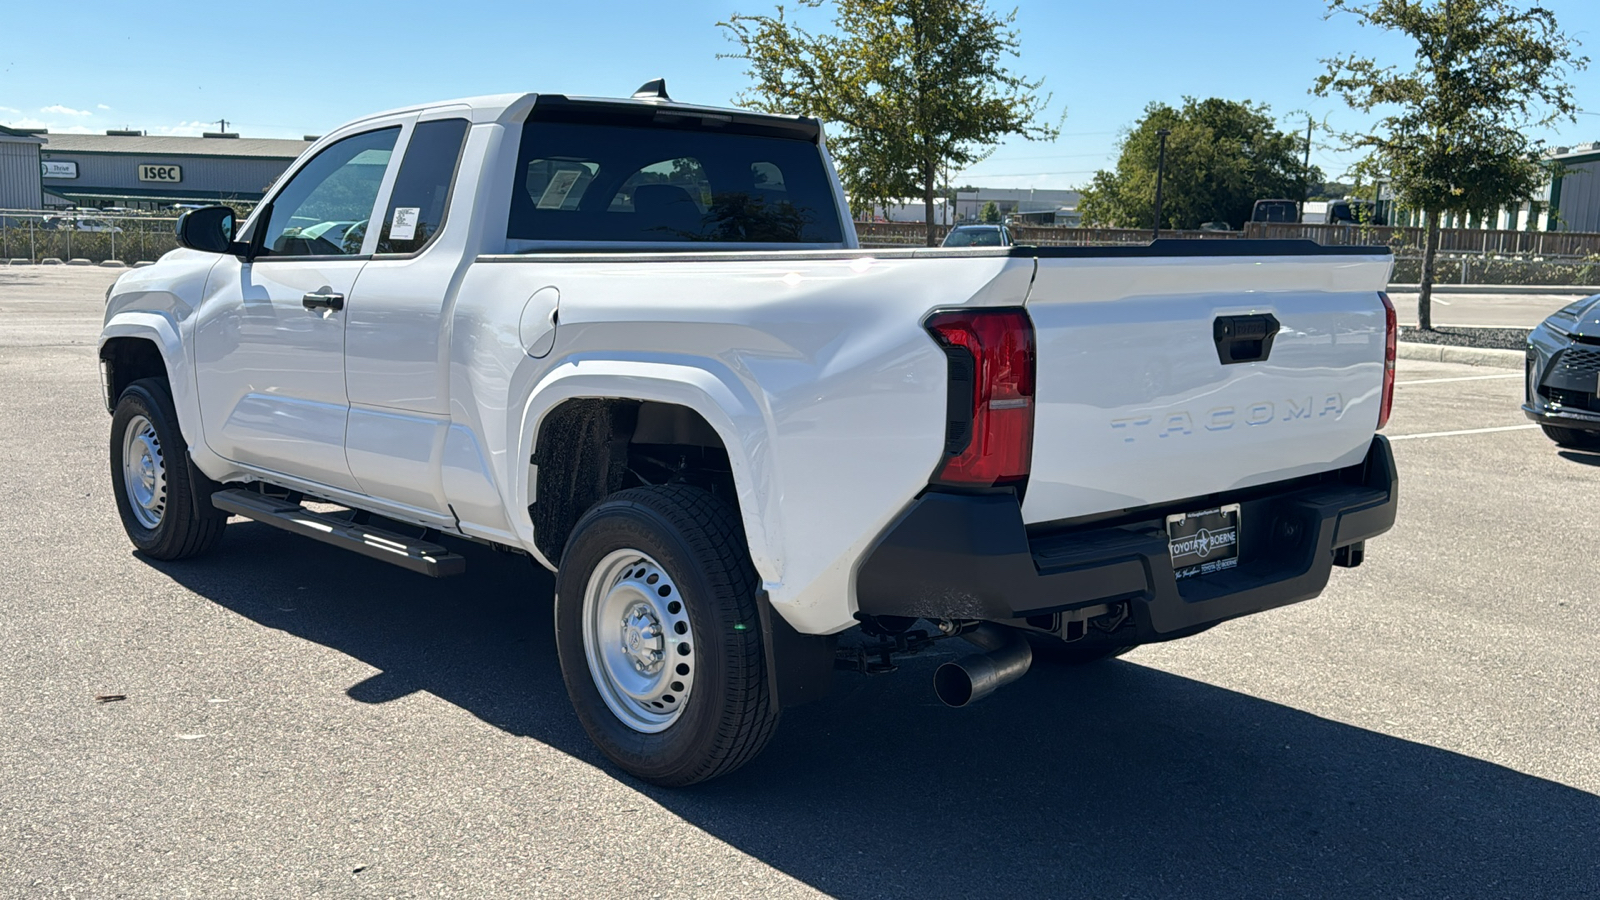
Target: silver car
[(1563, 375)]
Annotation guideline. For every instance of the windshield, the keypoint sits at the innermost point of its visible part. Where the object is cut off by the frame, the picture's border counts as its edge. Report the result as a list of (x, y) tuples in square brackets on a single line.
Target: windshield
[(975, 237)]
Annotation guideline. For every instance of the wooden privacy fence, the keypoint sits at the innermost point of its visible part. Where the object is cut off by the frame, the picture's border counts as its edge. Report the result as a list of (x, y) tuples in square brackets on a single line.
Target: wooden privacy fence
[(1404, 241), (1537, 244), (913, 234)]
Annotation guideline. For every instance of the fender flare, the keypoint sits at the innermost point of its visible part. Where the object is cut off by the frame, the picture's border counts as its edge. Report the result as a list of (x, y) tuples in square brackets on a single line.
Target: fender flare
[(161, 329), (717, 396)]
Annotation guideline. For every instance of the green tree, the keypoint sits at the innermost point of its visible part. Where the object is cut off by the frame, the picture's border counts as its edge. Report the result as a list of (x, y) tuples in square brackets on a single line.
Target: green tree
[(1222, 156), (1455, 134), (989, 214), (915, 88)]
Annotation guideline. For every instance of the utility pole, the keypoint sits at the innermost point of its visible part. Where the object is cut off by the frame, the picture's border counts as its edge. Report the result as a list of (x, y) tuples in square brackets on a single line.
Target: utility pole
[(1161, 171), (1306, 192), (223, 123)]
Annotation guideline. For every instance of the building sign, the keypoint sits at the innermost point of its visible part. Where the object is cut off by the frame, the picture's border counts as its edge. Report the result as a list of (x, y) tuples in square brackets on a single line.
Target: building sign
[(170, 174), (63, 169)]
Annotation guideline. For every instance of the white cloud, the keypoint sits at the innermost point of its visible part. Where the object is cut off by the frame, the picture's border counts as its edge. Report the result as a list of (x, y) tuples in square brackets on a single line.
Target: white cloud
[(101, 106), (182, 129), (60, 110), (50, 125), (7, 109)]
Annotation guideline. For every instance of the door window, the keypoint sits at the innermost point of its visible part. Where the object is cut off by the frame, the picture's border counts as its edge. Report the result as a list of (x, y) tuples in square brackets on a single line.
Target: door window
[(324, 209), (422, 188)]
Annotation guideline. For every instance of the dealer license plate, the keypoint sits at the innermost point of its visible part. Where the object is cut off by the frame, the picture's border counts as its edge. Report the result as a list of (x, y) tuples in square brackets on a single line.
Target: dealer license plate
[(1204, 542)]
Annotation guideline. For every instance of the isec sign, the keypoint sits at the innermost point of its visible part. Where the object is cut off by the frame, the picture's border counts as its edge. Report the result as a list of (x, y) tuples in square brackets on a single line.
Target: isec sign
[(161, 173)]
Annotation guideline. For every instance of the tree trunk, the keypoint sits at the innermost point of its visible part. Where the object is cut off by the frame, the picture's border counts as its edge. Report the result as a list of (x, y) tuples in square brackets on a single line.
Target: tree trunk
[(927, 204), (1430, 249)]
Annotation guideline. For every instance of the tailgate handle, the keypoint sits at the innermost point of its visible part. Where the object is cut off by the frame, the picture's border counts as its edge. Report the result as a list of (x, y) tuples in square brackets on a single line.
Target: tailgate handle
[(1242, 339)]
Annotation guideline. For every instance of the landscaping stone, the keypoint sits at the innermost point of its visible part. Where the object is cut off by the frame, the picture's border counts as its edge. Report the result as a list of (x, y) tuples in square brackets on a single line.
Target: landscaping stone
[(1457, 336)]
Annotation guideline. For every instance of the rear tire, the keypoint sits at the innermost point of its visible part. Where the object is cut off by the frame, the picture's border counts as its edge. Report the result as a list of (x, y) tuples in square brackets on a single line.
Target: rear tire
[(151, 480), (660, 638), (1575, 438)]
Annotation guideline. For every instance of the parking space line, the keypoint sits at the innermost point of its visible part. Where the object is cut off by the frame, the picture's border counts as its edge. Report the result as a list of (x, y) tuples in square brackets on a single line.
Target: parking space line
[(1460, 378), (1431, 434)]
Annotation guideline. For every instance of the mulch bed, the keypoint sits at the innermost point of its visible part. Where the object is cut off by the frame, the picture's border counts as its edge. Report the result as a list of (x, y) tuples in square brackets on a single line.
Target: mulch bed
[(1480, 338)]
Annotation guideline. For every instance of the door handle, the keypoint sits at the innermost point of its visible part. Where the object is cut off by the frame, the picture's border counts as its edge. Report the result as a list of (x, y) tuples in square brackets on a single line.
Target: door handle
[(1243, 339), (323, 301)]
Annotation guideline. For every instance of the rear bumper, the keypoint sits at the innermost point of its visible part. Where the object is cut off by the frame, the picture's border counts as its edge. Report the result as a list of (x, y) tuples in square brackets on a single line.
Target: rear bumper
[(970, 556)]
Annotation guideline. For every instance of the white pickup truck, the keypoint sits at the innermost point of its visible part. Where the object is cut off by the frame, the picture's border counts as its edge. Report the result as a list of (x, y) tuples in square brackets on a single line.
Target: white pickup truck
[(637, 341)]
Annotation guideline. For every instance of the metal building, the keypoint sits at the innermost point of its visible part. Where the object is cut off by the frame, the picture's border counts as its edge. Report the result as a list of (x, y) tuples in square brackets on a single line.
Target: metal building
[(130, 169), (19, 170), (1575, 194)]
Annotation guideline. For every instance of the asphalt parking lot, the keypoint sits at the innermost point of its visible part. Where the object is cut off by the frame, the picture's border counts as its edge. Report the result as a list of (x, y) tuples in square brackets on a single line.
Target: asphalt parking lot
[(303, 722)]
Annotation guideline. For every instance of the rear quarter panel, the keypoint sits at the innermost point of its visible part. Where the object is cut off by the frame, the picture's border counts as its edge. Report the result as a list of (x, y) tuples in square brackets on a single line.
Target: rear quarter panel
[(816, 373)]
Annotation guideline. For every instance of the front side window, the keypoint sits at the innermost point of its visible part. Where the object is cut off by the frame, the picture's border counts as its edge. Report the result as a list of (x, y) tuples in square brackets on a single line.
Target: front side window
[(323, 210), (607, 183), (422, 187)]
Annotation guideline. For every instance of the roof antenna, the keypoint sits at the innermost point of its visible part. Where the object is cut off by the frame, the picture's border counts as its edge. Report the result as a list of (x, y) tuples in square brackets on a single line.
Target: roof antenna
[(654, 89)]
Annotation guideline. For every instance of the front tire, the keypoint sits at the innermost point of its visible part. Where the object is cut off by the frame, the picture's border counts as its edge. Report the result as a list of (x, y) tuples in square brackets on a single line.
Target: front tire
[(150, 477), (1575, 438), (660, 638)]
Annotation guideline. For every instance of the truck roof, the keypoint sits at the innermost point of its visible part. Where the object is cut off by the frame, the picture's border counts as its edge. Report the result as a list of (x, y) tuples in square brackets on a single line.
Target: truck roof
[(514, 107)]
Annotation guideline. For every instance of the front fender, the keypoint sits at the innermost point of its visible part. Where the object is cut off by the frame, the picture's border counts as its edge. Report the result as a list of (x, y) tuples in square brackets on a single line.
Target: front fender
[(712, 391), (161, 329)]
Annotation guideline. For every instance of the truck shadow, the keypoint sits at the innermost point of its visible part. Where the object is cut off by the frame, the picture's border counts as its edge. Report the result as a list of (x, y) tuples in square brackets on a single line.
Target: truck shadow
[(1117, 780)]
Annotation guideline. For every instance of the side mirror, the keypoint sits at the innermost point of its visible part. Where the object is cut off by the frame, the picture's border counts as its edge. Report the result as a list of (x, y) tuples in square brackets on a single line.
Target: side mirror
[(208, 229)]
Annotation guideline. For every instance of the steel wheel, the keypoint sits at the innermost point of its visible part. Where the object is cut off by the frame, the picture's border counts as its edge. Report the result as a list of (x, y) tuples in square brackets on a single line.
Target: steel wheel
[(638, 641), (144, 472)]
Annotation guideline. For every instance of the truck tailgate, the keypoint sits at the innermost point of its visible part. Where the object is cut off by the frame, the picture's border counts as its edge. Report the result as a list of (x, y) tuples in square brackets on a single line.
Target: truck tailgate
[(1135, 408)]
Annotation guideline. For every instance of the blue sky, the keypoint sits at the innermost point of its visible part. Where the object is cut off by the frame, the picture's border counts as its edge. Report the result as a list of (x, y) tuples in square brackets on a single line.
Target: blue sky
[(284, 70)]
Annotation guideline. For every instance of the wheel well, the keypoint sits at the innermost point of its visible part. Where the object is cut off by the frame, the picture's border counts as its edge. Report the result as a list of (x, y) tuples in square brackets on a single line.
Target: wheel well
[(589, 449), (126, 360)]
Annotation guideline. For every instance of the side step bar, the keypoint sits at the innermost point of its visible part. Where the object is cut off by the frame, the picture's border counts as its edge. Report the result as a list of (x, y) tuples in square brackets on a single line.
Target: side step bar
[(406, 552)]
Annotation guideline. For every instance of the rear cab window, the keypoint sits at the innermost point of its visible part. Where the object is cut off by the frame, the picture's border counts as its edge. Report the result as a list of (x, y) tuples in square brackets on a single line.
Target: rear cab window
[(658, 178), (422, 186)]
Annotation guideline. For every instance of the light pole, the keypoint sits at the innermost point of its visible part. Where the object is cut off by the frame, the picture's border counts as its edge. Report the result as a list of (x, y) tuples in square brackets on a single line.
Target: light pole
[(1161, 171)]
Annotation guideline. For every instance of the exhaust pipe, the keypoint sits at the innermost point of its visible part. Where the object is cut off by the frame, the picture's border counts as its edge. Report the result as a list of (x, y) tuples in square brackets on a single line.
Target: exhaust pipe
[(972, 678)]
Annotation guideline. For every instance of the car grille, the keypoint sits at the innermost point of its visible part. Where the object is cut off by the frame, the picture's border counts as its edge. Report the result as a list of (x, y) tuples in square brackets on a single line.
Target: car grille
[(1577, 363), (1565, 399)]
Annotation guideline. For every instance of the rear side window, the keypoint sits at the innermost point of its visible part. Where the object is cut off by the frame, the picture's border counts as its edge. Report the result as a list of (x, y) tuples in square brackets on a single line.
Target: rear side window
[(422, 188), (642, 184)]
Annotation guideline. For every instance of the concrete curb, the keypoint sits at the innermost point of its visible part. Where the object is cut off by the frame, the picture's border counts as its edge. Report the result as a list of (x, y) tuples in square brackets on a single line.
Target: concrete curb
[(1568, 289), (1472, 356)]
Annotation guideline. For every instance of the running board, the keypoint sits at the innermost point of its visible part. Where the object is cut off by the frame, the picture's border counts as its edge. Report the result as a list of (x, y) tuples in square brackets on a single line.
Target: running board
[(406, 552)]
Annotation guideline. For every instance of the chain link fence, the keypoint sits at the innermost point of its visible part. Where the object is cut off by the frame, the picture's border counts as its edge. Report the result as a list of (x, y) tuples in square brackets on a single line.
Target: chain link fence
[(33, 236)]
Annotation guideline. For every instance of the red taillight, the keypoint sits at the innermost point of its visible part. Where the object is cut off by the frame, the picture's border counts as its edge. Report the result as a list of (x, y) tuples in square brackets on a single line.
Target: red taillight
[(1391, 338), (989, 435)]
